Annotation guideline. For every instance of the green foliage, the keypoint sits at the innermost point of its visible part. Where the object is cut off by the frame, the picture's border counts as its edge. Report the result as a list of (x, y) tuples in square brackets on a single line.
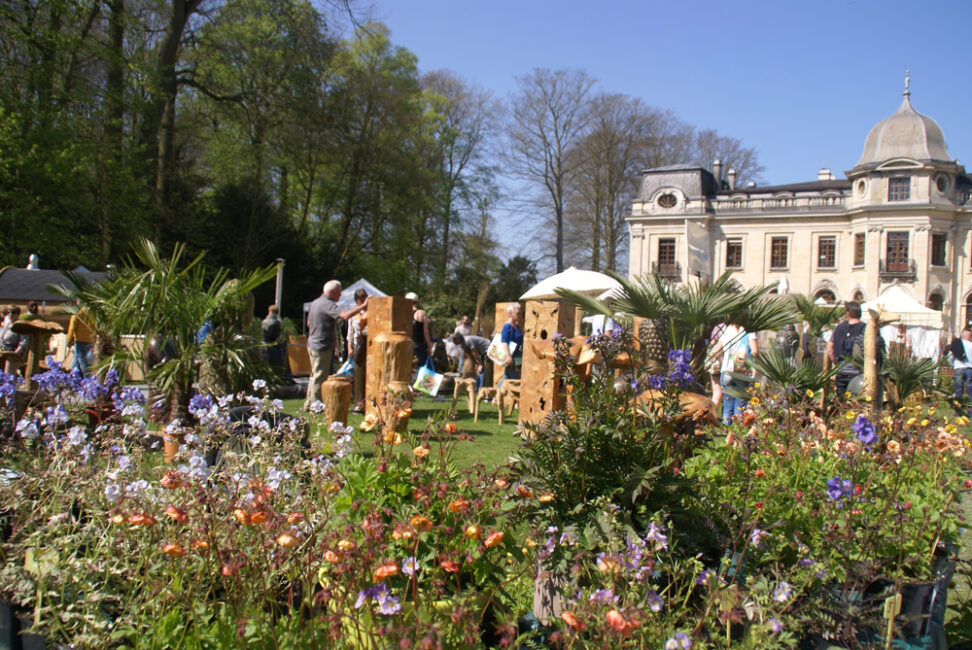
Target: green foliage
[(788, 374), (904, 375), (692, 310)]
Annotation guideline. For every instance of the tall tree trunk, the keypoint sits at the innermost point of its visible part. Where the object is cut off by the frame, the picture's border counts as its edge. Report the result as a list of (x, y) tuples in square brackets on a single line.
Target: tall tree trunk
[(159, 126)]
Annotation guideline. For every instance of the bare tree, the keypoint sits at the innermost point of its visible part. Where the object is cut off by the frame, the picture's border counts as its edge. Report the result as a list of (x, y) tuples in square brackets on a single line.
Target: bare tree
[(546, 116), (623, 137), (709, 145), (466, 113)]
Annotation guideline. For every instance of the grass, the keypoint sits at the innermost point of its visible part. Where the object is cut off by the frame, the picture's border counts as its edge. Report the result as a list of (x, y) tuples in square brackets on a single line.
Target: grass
[(492, 445)]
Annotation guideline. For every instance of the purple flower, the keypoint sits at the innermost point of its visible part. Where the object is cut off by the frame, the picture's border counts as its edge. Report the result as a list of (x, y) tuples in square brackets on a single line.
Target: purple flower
[(656, 382), (409, 565), (604, 596), (775, 626), (838, 488), (655, 535), (864, 430), (756, 536), (782, 592), (655, 602)]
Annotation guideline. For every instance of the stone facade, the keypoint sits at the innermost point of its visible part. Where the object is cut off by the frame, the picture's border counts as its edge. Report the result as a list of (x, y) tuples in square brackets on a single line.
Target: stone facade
[(903, 216)]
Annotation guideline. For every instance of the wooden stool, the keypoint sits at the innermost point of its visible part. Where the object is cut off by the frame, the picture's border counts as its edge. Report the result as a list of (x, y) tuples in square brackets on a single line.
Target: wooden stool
[(484, 393), (468, 385), (506, 396)]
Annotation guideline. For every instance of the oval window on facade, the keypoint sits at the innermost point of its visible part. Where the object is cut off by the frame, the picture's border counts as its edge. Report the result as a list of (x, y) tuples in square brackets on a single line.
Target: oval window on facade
[(667, 201)]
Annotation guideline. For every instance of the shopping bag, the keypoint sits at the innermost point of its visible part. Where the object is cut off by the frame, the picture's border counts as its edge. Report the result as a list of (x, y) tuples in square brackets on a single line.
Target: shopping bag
[(496, 353), (347, 368), (428, 380)]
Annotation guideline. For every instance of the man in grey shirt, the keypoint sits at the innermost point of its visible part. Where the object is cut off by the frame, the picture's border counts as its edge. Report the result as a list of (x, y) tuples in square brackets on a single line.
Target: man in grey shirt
[(321, 326)]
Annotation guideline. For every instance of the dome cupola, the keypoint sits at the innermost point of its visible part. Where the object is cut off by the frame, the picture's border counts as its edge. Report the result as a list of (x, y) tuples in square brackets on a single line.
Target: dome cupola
[(905, 134)]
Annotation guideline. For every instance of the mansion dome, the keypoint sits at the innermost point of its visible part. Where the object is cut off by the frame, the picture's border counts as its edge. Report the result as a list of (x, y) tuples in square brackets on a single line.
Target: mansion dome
[(905, 134)]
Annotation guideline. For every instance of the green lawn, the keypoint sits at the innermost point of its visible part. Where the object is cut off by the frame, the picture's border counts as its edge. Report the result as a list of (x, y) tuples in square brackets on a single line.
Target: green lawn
[(492, 445)]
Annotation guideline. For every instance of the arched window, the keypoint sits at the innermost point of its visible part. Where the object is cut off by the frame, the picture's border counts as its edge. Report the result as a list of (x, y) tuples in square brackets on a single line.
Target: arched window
[(936, 301), (825, 295), (858, 296)]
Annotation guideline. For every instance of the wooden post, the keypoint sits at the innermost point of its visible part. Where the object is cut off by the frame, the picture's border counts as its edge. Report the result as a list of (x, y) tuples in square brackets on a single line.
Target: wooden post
[(540, 392), (336, 395), (389, 356)]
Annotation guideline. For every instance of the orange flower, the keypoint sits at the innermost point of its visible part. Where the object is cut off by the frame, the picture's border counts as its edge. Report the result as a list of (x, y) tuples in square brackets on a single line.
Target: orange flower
[(141, 519), (242, 516), (294, 517), (572, 621), (331, 556), (200, 544), (403, 412), (385, 571), (420, 452), (451, 428), (402, 531), (259, 517), (171, 481), (345, 545), (421, 523), (449, 566), (501, 482), (173, 550), (494, 539), (546, 497), (287, 540), (392, 437), (523, 492), (618, 623), (472, 532), (177, 514), (459, 505), (118, 518), (759, 473), (608, 565)]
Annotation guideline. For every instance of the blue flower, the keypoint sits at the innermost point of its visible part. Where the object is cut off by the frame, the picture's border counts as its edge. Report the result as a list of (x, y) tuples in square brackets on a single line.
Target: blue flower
[(782, 592), (838, 489), (864, 430)]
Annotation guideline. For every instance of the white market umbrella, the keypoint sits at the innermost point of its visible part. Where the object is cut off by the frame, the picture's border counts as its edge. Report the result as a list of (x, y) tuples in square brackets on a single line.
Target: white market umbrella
[(589, 282), (911, 312)]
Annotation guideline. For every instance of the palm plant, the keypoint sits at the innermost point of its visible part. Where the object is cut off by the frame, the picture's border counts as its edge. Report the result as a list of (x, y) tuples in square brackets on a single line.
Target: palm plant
[(817, 318), (173, 297), (904, 375), (691, 310), (787, 374)]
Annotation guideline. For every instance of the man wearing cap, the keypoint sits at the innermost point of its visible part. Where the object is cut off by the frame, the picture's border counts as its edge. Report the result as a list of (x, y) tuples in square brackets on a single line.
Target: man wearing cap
[(321, 327)]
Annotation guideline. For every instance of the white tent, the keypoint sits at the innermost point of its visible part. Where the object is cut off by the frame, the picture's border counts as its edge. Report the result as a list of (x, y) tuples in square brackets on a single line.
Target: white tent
[(346, 301), (590, 282), (912, 312)]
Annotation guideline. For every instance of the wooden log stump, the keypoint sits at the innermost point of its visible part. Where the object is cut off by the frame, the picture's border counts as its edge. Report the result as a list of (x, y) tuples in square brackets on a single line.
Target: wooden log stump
[(336, 395), (389, 360)]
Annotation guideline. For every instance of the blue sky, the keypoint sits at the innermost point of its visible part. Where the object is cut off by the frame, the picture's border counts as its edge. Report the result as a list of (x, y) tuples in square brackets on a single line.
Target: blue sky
[(801, 82)]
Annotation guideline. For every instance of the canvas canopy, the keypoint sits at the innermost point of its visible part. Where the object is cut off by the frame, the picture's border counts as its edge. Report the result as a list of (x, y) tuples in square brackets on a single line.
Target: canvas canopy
[(911, 312), (346, 301), (590, 282)]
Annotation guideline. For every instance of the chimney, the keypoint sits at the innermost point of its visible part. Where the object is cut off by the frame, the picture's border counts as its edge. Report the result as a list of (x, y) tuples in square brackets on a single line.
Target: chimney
[(731, 175), (824, 174), (717, 171)]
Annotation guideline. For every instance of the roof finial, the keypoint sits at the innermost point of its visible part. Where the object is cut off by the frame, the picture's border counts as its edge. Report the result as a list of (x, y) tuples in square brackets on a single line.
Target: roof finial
[(907, 90)]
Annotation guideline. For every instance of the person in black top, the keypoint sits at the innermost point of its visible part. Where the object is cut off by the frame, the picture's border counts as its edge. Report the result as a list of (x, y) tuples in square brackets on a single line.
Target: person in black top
[(841, 346), (421, 331)]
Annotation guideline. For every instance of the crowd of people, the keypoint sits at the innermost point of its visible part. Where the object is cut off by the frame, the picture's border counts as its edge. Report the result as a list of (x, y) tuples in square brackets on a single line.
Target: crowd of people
[(335, 335)]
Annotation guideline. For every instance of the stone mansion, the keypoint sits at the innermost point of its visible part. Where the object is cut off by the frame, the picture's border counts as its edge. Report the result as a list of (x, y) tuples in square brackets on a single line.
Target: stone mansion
[(903, 216)]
